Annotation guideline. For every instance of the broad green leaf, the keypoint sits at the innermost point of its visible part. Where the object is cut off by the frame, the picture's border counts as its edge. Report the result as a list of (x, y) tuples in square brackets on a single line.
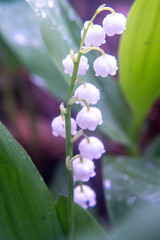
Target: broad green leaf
[(140, 59), (26, 206), (153, 149), (58, 183), (117, 119), (23, 36), (129, 182), (139, 225), (56, 23), (85, 225)]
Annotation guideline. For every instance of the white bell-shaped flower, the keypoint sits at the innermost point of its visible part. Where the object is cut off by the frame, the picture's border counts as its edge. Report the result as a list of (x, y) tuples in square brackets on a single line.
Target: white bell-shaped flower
[(58, 126), (89, 119), (85, 196), (114, 24), (83, 169), (87, 92), (92, 149), (105, 65), (95, 36), (68, 65)]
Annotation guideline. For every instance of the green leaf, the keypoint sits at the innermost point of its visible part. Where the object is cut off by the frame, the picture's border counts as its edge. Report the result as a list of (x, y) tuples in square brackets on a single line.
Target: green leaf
[(57, 24), (129, 182), (85, 225), (26, 206), (59, 182), (23, 36), (140, 59), (117, 118), (153, 149), (140, 224)]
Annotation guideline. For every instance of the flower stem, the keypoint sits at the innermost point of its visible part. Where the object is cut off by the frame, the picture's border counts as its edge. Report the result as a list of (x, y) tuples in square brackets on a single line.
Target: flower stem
[(69, 144), (69, 148), (69, 152)]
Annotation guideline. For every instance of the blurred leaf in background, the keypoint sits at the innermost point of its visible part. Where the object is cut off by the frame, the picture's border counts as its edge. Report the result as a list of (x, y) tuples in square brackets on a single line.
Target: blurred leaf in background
[(139, 59), (142, 223), (130, 182)]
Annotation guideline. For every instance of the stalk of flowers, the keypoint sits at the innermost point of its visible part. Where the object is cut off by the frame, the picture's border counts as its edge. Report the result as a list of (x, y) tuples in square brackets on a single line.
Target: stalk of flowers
[(81, 167)]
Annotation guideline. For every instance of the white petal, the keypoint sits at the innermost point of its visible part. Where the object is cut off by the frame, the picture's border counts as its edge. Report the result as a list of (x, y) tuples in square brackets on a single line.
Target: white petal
[(105, 65), (68, 65), (89, 119), (58, 126), (93, 149), (95, 36), (87, 92), (84, 196), (83, 66), (83, 170), (73, 127), (114, 24)]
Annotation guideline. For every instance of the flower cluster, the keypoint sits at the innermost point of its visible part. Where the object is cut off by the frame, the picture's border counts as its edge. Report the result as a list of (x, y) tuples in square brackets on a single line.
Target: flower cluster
[(86, 94)]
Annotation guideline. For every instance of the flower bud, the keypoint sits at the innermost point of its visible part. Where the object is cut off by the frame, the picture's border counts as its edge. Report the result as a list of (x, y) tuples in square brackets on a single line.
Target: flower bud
[(89, 119), (83, 169), (68, 65), (92, 149), (87, 92), (58, 126), (114, 24), (95, 36), (105, 65), (85, 196)]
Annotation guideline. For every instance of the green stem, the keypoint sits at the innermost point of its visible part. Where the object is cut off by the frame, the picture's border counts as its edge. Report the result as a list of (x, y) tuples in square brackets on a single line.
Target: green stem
[(70, 204), (69, 152), (69, 144), (88, 49), (69, 147)]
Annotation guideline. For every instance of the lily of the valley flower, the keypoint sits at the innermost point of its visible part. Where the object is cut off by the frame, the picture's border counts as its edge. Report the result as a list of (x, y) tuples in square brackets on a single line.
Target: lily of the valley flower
[(114, 24), (92, 149), (68, 65), (84, 196), (58, 126), (95, 36), (87, 92), (89, 118), (83, 169), (105, 65)]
